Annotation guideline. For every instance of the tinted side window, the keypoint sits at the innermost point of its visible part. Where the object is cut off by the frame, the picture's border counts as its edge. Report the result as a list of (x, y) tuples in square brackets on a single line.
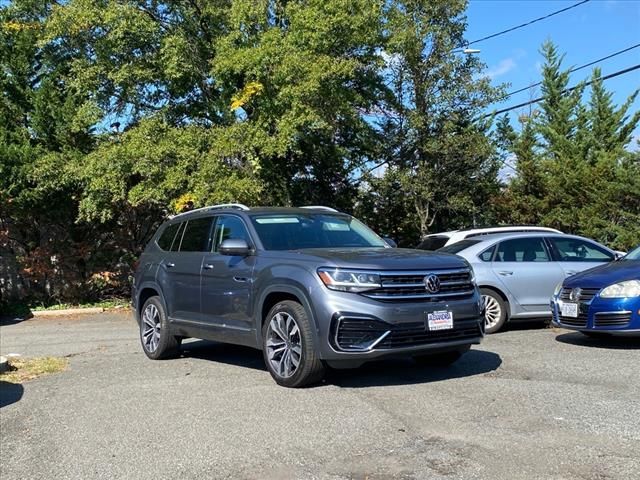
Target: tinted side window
[(433, 243), (230, 227), (196, 235), (166, 239), (522, 250), (487, 255), (576, 250), (458, 246)]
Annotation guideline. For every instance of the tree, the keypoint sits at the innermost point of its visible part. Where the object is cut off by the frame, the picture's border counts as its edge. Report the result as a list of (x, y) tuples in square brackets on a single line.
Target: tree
[(431, 117), (575, 171)]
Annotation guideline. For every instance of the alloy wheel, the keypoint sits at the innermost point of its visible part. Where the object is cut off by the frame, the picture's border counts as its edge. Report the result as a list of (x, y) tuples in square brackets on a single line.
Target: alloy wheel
[(151, 328), (284, 344), (492, 311)]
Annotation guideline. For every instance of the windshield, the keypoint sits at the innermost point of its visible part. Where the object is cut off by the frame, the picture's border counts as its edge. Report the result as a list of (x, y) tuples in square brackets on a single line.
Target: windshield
[(296, 231), (633, 254), (458, 246)]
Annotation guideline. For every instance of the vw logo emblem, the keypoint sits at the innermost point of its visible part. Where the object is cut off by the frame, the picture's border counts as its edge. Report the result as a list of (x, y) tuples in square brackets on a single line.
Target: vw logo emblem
[(574, 296), (432, 283)]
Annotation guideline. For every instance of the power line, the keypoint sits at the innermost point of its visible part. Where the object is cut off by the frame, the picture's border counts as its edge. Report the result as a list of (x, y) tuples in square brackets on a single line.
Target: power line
[(575, 69), (536, 100), (529, 22)]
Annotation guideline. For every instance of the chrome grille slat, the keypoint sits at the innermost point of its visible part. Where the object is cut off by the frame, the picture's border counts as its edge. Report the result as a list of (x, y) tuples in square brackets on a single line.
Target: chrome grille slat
[(586, 294), (409, 285)]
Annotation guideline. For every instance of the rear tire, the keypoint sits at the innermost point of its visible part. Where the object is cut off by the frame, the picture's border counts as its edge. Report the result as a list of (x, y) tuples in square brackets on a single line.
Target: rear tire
[(495, 310), (443, 359), (288, 346), (155, 333)]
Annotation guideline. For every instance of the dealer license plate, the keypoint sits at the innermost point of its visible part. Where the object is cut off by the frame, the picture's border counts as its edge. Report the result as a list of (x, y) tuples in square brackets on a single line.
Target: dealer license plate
[(441, 320), (569, 310)]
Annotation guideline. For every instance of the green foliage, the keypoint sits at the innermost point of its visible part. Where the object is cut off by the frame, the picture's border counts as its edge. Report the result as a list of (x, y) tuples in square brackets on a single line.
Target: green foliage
[(115, 113), (575, 171)]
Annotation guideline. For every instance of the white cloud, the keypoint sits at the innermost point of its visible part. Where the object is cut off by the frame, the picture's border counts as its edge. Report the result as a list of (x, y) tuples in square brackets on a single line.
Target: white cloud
[(505, 66)]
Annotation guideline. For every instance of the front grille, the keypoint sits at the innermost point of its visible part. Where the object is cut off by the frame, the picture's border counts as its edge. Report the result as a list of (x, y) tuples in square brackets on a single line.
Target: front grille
[(585, 294), (407, 286), (363, 334), (581, 321), (410, 337), (611, 319)]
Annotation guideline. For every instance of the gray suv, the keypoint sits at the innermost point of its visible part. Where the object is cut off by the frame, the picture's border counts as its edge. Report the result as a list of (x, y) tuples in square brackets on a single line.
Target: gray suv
[(311, 287)]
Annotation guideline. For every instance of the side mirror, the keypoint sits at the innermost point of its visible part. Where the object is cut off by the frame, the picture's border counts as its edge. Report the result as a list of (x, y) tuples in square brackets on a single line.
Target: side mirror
[(234, 247), (390, 241), (618, 256)]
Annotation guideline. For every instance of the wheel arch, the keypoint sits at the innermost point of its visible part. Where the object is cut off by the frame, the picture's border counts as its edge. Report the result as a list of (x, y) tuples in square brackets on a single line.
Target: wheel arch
[(278, 293), (145, 292), (503, 296)]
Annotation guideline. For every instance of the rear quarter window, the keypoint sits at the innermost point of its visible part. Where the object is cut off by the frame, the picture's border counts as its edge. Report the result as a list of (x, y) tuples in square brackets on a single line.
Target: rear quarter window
[(168, 235), (487, 255)]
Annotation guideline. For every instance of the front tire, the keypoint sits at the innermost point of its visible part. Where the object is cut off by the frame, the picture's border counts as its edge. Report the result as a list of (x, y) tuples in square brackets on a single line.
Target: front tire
[(288, 346), (155, 334), (495, 310)]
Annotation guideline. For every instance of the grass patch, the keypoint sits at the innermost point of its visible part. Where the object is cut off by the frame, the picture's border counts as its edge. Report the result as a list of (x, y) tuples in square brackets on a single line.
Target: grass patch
[(25, 369)]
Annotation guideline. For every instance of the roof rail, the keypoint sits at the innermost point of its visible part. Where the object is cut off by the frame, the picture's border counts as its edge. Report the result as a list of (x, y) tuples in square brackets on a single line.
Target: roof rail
[(319, 207), (237, 206)]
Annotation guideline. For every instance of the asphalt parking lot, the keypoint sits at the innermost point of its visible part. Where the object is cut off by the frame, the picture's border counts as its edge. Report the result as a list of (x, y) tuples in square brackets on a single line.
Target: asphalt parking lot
[(527, 403)]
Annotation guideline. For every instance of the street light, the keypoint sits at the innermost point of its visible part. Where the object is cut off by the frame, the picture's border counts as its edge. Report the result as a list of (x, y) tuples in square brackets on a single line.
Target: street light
[(470, 51)]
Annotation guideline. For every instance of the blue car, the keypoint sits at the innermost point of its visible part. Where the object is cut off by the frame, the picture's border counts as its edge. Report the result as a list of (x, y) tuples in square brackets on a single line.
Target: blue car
[(601, 301)]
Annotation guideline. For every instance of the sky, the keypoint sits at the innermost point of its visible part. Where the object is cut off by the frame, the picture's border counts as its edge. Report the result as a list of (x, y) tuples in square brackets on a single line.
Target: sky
[(585, 33)]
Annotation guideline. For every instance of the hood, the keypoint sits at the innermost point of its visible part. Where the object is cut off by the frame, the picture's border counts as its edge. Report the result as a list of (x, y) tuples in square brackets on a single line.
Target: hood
[(604, 275), (379, 258)]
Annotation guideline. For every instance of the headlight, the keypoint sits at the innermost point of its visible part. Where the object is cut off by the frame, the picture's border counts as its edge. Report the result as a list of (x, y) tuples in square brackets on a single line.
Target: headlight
[(557, 289), (349, 280), (472, 274), (628, 289)]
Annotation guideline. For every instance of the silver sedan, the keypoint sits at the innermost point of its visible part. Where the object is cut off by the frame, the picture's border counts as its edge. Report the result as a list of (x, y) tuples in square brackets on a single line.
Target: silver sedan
[(518, 272)]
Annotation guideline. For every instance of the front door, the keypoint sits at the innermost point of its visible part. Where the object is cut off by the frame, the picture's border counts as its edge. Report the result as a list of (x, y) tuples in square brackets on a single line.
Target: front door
[(526, 269), (227, 280), (576, 254)]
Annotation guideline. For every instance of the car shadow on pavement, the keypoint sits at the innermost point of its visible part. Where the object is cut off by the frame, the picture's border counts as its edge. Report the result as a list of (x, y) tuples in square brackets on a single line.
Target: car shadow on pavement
[(10, 393), (397, 371), (404, 371), (224, 353), (613, 343), (5, 321), (529, 324)]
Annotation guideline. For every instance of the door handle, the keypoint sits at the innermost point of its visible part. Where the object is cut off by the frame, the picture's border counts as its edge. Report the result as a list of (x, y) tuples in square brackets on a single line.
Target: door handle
[(171, 265), (241, 279), (505, 274), (208, 266)]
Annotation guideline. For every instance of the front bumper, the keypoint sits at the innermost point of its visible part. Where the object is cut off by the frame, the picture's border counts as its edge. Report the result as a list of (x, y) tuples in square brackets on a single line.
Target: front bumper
[(611, 315), (381, 329)]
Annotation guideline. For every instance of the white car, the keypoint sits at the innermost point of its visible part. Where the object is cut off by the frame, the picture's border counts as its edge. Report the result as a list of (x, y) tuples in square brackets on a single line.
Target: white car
[(439, 240)]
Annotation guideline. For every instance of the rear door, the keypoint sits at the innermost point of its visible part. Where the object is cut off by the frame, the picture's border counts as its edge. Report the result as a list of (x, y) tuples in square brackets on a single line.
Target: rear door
[(227, 280), (183, 266), (525, 267), (575, 254)]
